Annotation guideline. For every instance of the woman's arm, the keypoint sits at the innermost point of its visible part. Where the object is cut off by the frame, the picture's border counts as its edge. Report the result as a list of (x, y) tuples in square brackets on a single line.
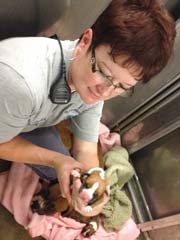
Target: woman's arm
[(85, 152), (20, 150)]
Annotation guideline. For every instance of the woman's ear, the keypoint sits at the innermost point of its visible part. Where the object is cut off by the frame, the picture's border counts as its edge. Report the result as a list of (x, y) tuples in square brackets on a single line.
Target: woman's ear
[(85, 41)]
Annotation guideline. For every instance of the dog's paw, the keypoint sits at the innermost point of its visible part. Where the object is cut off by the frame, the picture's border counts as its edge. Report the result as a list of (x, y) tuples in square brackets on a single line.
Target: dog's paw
[(89, 229), (42, 206)]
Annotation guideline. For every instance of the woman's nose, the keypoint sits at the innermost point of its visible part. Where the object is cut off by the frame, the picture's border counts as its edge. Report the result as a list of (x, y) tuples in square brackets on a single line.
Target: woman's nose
[(103, 90)]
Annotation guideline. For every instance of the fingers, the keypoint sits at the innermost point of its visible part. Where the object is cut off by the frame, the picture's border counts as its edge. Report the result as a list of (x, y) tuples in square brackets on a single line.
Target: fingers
[(108, 190), (106, 196), (79, 166), (64, 170), (64, 188)]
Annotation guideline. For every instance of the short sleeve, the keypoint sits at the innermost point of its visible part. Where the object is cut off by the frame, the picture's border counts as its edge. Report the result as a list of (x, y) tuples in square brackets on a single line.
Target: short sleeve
[(15, 103), (86, 125)]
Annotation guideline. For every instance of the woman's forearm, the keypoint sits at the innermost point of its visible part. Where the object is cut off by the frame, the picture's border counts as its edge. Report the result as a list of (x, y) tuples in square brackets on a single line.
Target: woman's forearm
[(20, 150)]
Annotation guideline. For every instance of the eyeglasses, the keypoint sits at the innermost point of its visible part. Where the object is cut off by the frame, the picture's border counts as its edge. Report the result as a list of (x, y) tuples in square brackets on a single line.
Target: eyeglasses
[(107, 80)]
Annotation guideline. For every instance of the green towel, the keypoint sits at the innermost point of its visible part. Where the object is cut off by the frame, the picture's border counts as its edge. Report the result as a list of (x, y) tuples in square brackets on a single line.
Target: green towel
[(118, 170)]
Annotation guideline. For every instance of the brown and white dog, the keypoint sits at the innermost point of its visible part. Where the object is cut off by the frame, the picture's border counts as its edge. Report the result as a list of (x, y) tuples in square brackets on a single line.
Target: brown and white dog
[(93, 186)]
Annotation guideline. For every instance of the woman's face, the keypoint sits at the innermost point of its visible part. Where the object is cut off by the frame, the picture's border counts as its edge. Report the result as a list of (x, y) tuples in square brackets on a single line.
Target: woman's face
[(96, 76)]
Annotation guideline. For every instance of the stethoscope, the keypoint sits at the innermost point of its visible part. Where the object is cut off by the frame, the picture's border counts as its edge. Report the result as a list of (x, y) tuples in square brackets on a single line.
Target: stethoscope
[(60, 92)]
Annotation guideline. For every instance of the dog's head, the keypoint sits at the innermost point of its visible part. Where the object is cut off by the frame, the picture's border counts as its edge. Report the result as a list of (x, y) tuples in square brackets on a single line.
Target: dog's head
[(94, 185)]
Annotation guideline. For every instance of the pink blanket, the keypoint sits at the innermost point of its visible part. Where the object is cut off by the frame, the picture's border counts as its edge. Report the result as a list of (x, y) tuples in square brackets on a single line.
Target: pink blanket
[(18, 185)]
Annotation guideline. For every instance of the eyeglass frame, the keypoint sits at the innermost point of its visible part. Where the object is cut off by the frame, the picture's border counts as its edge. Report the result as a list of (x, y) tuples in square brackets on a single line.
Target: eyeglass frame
[(126, 92)]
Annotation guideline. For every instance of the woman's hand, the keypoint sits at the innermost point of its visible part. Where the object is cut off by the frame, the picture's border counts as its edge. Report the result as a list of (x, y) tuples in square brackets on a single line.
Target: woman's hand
[(64, 166)]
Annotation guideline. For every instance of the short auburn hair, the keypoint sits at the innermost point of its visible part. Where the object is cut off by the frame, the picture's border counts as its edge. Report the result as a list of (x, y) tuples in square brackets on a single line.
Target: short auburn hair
[(141, 29)]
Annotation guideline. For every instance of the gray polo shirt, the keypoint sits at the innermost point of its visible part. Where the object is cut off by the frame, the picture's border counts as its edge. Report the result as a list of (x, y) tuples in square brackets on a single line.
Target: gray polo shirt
[(28, 67)]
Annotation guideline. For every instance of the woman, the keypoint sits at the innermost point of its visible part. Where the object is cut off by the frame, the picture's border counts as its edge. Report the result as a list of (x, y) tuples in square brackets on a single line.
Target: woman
[(44, 81)]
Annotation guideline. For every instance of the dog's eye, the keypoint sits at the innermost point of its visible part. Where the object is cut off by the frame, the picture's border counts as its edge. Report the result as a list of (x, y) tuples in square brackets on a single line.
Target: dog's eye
[(94, 195), (84, 177), (94, 199), (86, 185)]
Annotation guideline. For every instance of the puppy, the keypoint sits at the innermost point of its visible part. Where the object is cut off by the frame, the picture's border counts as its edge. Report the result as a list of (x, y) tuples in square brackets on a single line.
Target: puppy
[(93, 186)]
